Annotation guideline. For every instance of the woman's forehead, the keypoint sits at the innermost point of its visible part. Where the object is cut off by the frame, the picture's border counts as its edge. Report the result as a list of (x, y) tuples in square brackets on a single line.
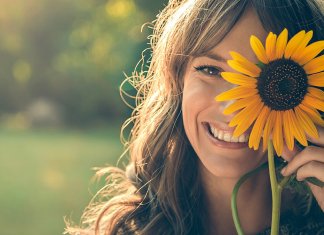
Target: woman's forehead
[(238, 38)]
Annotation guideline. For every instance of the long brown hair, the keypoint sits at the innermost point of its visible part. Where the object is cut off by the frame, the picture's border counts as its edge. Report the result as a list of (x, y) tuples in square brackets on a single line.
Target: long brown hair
[(159, 193)]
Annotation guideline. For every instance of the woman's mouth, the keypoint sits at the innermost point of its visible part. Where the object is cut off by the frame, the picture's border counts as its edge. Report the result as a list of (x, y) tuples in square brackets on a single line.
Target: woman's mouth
[(225, 138)]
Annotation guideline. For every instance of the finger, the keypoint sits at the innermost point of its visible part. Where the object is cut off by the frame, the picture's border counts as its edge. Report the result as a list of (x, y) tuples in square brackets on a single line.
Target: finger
[(319, 194), (310, 153), (311, 169), (318, 141), (289, 154)]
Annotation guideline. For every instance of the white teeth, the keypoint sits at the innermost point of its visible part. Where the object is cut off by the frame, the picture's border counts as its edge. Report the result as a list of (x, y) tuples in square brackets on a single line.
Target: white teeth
[(243, 138), (220, 135), (234, 139), (228, 137), (214, 131)]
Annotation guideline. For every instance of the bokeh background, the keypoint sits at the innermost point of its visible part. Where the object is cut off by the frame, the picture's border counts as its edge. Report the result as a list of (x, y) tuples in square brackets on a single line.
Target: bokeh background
[(61, 65)]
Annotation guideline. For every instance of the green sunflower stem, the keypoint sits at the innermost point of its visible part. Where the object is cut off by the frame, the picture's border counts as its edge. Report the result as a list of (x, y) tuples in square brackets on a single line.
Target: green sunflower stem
[(235, 216), (276, 190), (315, 181)]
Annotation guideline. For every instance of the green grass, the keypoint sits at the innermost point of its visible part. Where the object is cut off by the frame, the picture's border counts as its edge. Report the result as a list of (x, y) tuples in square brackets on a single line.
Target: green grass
[(46, 175)]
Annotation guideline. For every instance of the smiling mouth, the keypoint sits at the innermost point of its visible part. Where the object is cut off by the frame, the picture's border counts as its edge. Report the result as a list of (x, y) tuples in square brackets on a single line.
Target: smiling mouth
[(226, 136)]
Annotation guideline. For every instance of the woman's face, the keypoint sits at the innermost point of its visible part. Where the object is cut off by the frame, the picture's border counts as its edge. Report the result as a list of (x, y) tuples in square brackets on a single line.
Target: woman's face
[(223, 155)]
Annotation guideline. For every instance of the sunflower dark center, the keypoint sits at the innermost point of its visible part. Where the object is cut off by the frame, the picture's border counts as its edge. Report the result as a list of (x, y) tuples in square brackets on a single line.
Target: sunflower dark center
[(282, 84)]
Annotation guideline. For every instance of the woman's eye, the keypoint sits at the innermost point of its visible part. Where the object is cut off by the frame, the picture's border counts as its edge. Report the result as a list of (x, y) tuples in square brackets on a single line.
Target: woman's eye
[(208, 70)]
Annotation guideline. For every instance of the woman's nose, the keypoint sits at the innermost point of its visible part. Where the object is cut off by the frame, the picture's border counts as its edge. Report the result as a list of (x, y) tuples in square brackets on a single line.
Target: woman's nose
[(222, 106)]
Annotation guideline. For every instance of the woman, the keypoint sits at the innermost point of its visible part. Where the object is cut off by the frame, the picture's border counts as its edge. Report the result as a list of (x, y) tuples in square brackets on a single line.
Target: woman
[(181, 174)]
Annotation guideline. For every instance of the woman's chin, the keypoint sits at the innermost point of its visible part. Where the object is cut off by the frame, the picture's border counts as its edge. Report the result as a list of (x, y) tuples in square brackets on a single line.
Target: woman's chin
[(231, 165)]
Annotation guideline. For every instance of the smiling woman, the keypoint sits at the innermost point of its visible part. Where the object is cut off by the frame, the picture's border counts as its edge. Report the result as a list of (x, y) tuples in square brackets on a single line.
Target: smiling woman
[(184, 157), (203, 117)]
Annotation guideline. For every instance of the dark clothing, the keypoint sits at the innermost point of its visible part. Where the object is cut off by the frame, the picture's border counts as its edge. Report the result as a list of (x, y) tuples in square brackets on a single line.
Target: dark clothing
[(308, 221)]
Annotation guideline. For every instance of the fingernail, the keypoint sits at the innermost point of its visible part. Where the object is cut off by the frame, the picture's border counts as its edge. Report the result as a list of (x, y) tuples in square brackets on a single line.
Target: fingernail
[(283, 170)]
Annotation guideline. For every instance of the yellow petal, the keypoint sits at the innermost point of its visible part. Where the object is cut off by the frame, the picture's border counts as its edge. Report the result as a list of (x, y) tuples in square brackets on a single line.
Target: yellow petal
[(289, 138), (316, 79), (244, 113), (313, 102), (306, 123), (297, 130), (313, 114), (302, 45), (310, 52), (315, 65), (236, 93), (277, 133), (238, 57), (249, 119), (258, 49), (257, 129), (293, 43), (316, 93), (243, 65), (239, 79), (281, 43), (239, 104), (268, 128), (271, 46)]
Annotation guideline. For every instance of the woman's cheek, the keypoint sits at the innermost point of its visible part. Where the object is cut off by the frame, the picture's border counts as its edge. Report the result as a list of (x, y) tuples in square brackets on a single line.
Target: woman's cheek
[(195, 100)]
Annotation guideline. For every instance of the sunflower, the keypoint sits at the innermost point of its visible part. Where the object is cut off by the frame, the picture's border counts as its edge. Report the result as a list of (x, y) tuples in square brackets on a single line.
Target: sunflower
[(281, 95)]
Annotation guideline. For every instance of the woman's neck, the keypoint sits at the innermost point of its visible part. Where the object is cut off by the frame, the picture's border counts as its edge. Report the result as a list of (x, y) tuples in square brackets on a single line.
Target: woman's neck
[(253, 202)]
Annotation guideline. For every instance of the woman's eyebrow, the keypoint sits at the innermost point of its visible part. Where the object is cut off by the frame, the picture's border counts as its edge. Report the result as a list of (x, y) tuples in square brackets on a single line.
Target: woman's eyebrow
[(214, 56)]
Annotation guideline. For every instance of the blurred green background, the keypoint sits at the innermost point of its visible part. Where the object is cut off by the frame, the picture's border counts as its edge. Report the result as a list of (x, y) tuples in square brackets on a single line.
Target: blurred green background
[(61, 65)]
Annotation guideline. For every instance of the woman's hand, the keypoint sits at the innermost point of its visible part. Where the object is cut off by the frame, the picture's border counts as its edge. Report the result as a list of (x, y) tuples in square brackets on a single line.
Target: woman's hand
[(308, 162)]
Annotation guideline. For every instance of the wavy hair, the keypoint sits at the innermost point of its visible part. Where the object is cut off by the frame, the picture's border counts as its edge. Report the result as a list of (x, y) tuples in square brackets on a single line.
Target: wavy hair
[(160, 192)]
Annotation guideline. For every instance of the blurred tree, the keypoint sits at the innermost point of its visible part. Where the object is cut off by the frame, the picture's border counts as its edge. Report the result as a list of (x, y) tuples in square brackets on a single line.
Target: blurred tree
[(72, 52)]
